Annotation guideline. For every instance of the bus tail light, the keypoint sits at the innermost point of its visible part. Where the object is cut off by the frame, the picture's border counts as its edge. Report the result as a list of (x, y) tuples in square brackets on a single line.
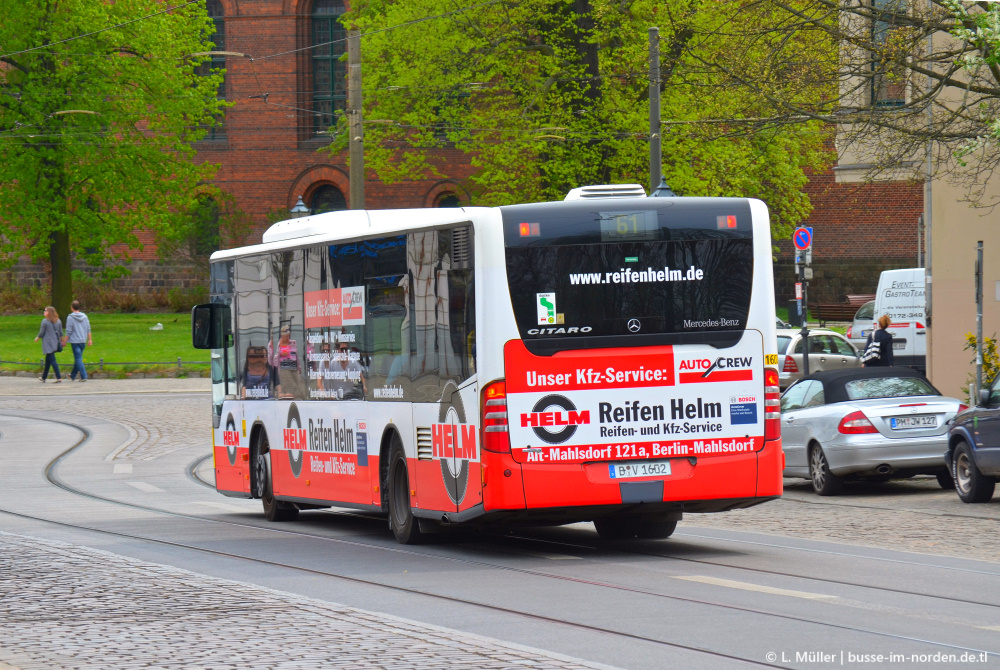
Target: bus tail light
[(496, 437), (772, 404), (789, 365)]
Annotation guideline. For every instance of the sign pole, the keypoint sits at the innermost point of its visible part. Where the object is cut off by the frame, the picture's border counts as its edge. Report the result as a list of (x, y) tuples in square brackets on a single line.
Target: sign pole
[(802, 238)]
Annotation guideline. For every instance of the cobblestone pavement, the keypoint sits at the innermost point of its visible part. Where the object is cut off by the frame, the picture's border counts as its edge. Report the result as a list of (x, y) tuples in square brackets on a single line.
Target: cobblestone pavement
[(911, 515), (156, 425), (64, 606)]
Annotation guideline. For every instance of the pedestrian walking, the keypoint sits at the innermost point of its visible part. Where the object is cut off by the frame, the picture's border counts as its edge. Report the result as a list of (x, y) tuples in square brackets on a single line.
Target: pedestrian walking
[(50, 333), (79, 338), (878, 347)]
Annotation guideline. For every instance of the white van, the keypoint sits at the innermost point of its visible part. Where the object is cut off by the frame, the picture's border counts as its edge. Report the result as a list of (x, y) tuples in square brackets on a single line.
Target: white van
[(901, 295)]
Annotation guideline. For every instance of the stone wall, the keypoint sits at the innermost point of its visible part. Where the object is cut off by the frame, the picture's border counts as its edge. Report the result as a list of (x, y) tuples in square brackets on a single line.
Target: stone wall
[(833, 278), (147, 275)]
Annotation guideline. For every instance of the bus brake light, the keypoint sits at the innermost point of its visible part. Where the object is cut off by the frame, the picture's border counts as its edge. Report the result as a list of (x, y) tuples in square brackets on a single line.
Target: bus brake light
[(496, 437), (772, 405)]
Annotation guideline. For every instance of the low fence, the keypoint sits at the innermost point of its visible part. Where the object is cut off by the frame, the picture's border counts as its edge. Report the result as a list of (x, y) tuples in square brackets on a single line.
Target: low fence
[(101, 363)]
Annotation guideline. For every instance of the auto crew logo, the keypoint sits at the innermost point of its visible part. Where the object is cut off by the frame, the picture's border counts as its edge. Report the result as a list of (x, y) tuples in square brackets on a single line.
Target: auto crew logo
[(543, 419), (722, 369)]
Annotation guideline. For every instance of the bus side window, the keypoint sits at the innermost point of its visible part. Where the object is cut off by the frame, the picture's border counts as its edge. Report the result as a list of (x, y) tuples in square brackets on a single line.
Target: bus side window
[(459, 303), (288, 346), (254, 292)]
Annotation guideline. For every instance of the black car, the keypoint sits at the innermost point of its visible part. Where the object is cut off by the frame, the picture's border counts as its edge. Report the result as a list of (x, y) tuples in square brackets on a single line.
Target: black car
[(973, 454)]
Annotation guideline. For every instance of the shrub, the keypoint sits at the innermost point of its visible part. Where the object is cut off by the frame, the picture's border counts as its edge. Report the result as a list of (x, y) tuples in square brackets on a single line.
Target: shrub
[(182, 300), (991, 361)]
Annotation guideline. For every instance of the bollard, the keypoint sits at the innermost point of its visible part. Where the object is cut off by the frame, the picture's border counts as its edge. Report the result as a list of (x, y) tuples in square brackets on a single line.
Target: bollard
[(178, 362), (100, 364)]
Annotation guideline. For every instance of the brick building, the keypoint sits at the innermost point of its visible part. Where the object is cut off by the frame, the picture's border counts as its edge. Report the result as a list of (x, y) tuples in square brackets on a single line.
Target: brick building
[(285, 91), (859, 229)]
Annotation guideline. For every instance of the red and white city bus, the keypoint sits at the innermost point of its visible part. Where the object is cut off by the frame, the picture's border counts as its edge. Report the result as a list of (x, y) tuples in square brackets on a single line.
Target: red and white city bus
[(606, 359)]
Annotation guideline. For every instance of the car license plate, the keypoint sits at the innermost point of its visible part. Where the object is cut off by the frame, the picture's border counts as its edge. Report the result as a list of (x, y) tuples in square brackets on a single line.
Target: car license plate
[(904, 422), (639, 469)]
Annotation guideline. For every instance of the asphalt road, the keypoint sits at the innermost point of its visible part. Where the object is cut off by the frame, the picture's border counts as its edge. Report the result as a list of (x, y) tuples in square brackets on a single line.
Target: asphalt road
[(114, 555)]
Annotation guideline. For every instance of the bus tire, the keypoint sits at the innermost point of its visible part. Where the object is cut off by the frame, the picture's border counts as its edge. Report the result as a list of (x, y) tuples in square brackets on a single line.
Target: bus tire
[(401, 520), (656, 530), (617, 528), (274, 510)]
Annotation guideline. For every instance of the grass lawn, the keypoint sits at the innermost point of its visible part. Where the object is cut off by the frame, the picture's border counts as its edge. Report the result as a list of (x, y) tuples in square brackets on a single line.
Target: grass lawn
[(118, 338)]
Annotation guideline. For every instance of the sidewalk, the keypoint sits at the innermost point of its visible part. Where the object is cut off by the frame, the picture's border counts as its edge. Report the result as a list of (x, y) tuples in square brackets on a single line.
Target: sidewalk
[(67, 606), (30, 386)]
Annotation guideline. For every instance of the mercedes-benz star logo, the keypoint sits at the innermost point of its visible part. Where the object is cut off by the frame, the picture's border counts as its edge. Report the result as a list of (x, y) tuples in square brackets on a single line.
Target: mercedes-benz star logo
[(634, 325)]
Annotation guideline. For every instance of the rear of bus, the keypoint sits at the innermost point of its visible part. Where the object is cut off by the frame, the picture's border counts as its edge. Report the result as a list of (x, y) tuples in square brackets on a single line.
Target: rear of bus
[(640, 372)]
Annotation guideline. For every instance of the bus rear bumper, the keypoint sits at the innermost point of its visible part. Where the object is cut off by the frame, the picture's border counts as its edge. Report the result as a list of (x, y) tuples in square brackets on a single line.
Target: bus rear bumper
[(581, 492)]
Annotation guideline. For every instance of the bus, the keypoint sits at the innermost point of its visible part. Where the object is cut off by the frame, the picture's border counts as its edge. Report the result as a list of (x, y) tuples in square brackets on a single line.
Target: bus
[(607, 358)]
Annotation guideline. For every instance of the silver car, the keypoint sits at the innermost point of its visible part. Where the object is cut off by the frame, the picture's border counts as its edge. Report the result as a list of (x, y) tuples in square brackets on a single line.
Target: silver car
[(861, 327), (876, 423), (828, 350)]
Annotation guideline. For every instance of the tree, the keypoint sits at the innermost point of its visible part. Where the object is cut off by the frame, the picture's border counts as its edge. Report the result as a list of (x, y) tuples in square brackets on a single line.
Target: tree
[(99, 105), (546, 95), (912, 77)]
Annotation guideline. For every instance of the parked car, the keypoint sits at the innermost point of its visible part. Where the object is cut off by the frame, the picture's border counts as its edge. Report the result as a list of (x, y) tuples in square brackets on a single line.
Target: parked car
[(827, 351), (973, 455), (782, 324), (877, 423), (864, 318)]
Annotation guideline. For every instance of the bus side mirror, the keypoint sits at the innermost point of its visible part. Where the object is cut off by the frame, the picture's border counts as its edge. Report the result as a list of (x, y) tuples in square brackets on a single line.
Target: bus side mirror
[(210, 326)]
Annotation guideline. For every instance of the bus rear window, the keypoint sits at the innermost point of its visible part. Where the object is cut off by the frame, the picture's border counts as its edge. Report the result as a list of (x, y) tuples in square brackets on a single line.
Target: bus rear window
[(616, 273)]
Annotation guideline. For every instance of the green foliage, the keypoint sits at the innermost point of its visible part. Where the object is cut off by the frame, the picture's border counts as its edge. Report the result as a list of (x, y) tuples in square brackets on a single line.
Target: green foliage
[(183, 299), (97, 130), (213, 221), (546, 95), (991, 360)]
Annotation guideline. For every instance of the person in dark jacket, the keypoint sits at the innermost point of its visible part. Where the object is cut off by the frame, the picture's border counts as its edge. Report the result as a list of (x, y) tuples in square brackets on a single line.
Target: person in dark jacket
[(50, 332), (884, 339)]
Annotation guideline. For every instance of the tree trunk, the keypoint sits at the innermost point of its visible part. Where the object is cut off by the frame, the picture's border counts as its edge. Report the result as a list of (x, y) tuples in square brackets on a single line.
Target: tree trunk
[(62, 272)]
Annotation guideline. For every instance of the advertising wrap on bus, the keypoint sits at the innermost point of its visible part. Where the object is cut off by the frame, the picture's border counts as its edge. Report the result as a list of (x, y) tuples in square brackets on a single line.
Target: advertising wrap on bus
[(635, 404)]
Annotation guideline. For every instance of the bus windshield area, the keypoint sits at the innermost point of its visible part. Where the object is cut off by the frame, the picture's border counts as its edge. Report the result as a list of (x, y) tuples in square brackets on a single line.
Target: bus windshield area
[(588, 270)]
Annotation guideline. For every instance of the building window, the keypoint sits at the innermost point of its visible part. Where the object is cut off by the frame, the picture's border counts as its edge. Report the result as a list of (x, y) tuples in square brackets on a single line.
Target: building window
[(888, 75), (327, 199), (329, 72), (448, 200), (215, 12)]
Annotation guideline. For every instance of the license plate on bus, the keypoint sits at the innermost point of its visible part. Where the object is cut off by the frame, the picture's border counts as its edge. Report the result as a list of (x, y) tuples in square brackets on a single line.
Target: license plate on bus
[(639, 469), (904, 422)]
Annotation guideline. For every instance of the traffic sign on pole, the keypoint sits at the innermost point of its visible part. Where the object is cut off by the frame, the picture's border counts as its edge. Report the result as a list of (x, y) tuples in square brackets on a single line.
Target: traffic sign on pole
[(802, 238)]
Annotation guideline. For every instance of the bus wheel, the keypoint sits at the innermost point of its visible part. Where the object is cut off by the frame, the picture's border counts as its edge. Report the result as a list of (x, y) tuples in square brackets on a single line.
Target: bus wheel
[(613, 528), (656, 530), (401, 520), (273, 509)]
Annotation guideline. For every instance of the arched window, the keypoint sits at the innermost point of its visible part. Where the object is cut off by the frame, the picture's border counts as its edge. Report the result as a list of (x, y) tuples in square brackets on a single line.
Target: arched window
[(329, 41), (327, 198), (448, 200), (215, 12)]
